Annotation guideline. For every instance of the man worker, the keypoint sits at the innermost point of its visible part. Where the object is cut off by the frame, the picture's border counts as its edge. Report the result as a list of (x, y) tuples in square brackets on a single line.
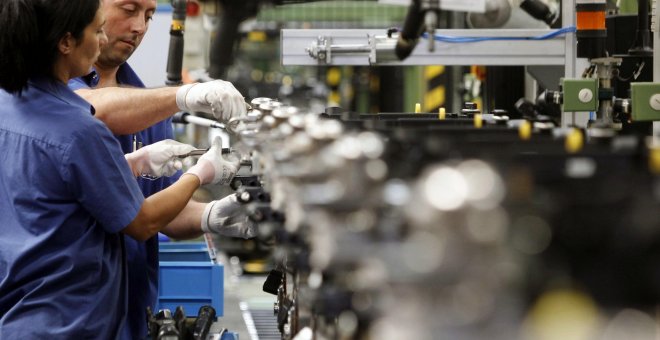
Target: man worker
[(139, 116)]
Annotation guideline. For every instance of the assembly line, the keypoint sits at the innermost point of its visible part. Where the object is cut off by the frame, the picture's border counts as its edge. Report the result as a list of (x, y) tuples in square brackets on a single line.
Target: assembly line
[(459, 170)]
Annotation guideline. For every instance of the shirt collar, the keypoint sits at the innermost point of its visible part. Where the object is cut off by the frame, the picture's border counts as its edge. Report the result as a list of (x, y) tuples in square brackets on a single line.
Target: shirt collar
[(92, 78), (61, 91), (125, 76)]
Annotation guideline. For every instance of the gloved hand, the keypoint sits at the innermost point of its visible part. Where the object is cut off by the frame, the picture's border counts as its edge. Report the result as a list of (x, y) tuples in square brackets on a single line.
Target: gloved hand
[(227, 217), (217, 97), (158, 159), (213, 168)]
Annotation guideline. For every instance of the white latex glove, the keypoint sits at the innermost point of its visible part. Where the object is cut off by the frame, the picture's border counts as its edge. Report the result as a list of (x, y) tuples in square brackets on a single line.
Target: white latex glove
[(158, 159), (213, 168), (217, 97), (227, 217)]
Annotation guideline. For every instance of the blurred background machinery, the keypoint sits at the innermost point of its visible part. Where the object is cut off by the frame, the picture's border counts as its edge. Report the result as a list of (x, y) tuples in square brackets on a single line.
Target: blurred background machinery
[(519, 199), (250, 56), (397, 225)]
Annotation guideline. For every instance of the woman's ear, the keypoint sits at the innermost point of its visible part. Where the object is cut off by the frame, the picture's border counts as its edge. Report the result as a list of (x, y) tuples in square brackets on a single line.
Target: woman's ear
[(66, 44)]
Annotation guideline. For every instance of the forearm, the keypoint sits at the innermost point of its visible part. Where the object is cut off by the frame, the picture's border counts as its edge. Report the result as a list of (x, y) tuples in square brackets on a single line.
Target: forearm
[(129, 110), (160, 209), (187, 224)]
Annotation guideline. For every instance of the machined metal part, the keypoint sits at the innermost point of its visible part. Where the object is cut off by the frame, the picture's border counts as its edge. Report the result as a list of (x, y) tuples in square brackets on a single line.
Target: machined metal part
[(605, 68), (625, 106)]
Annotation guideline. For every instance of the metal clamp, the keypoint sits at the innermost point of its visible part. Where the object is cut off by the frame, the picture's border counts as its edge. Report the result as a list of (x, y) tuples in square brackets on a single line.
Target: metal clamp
[(323, 50)]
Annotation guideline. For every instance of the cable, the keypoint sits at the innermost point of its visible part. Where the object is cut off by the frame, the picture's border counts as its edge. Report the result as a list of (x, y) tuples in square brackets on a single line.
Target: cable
[(553, 34)]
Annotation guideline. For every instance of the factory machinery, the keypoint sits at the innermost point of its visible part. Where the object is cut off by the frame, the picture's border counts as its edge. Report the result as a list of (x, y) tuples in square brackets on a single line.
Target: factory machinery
[(470, 224), (397, 226), (467, 224)]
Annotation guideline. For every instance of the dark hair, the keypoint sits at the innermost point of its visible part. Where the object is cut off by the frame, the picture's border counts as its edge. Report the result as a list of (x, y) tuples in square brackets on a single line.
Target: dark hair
[(31, 34)]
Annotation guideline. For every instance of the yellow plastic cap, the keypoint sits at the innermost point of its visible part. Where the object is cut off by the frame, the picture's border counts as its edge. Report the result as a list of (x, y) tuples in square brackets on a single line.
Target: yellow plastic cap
[(478, 121), (574, 141), (525, 130)]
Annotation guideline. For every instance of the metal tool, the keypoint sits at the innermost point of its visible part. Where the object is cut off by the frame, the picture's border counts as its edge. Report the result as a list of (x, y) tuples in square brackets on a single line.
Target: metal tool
[(196, 152), (199, 152)]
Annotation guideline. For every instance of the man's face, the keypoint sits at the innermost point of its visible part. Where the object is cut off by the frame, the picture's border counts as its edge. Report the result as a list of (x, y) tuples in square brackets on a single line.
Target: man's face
[(126, 23)]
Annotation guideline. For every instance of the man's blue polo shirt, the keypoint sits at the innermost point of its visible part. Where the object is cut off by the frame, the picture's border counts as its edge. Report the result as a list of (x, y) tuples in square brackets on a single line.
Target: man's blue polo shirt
[(142, 256)]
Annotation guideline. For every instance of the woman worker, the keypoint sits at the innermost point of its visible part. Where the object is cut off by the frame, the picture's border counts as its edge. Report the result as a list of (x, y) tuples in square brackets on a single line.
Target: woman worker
[(66, 189)]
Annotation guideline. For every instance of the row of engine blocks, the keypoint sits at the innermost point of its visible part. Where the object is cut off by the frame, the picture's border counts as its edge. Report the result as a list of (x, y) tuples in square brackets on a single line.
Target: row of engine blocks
[(407, 226)]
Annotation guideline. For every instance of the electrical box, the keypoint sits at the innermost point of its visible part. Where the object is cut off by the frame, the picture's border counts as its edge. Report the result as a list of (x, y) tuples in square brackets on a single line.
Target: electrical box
[(580, 95), (645, 101)]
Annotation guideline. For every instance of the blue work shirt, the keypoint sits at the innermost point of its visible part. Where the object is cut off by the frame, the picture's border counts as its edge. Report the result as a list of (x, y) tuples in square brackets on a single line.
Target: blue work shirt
[(65, 193), (142, 256)]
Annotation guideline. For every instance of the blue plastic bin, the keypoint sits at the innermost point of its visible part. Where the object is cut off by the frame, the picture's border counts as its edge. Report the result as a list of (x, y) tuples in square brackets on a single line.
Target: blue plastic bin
[(183, 251), (191, 285), (229, 336)]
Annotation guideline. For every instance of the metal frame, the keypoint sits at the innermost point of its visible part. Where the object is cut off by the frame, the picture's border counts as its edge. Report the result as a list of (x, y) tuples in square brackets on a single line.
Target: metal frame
[(296, 43), (559, 51)]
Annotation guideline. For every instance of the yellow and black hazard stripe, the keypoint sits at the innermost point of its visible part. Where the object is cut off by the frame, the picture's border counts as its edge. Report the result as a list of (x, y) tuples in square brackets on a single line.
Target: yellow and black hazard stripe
[(436, 88)]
